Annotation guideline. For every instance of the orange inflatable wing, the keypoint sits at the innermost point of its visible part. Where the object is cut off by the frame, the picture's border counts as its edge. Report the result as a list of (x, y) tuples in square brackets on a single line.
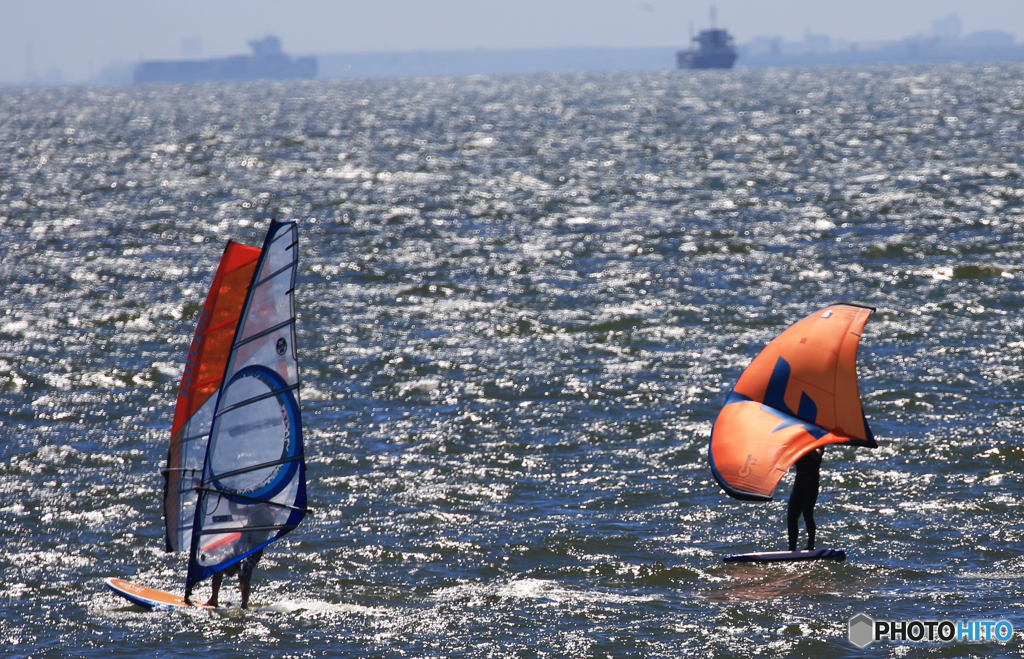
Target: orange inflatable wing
[(800, 393)]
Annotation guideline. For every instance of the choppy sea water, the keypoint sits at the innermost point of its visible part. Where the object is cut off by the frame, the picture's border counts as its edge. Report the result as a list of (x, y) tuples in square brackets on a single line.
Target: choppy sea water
[(522, 302)]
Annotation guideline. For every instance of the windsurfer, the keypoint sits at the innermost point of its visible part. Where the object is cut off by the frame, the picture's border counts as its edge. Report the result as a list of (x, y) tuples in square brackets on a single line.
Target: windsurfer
[(804, 496)]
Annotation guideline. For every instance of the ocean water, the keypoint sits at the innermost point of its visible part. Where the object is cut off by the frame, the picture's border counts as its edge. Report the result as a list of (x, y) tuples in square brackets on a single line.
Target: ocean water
[(522, 302)]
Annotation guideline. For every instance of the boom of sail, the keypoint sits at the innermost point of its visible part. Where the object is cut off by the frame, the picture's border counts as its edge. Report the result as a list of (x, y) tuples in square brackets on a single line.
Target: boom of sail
[(251, 488), (800, 393)]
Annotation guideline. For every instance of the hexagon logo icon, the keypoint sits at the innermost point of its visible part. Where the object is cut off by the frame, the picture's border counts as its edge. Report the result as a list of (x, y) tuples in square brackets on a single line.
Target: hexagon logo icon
[(862, 629)]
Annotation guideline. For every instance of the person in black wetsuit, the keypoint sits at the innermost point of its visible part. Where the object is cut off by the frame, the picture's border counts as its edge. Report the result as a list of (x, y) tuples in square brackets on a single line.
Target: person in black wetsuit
[(804, 496)]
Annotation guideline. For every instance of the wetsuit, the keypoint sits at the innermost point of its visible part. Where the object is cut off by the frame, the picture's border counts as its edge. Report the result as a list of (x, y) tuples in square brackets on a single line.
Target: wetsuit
[(244, 567), (804, 496)]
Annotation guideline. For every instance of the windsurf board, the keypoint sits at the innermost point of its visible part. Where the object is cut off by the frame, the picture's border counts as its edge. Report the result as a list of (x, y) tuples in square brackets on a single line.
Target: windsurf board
[(777, 556), (149, 598)]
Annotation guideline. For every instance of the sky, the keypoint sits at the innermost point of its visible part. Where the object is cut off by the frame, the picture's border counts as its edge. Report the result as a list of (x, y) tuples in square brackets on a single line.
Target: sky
[(73, 40)]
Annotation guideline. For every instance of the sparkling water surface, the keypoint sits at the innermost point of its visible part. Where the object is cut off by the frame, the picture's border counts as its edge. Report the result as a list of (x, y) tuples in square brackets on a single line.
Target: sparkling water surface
[(522, 302)]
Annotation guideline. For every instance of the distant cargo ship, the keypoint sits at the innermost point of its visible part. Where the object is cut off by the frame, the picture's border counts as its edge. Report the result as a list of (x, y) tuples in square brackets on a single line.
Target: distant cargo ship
[(267, 62), (715, 50)]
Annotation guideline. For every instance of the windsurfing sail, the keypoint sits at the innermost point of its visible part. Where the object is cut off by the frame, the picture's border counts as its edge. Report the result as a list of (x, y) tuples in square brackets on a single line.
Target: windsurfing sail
[(253, 485), (800, 393), (200, 382)]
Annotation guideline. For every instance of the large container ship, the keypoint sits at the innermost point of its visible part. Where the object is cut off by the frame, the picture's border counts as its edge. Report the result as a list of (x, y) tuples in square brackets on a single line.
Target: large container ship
[(267, 62)]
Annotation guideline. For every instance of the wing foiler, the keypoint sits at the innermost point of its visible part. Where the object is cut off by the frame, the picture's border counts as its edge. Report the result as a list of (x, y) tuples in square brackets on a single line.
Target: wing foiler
[(798, 394)]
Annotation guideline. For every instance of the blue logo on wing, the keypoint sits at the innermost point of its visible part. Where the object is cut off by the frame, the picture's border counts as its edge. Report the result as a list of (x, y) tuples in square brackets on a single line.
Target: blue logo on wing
[(775, 403)]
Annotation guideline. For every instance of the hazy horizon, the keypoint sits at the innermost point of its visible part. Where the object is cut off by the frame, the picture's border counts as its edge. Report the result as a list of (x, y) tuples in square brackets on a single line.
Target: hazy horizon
[(62, 41)]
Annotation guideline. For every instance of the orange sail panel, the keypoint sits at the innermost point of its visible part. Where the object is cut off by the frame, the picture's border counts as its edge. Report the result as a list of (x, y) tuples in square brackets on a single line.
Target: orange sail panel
[(201, 379), (800, 393)]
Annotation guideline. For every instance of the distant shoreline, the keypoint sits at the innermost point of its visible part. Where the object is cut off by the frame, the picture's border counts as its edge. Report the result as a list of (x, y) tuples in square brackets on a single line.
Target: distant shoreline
[(569, 60)]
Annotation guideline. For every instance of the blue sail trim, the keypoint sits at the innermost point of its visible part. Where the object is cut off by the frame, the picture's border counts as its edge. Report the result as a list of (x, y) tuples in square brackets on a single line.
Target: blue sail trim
[(294, 450), (775, 395), (788, 421), (870, 443), (807, 413)]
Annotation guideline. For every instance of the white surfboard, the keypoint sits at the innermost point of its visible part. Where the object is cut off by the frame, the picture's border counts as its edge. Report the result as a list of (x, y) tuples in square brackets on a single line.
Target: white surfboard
[(150, 598), (773, 556)]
